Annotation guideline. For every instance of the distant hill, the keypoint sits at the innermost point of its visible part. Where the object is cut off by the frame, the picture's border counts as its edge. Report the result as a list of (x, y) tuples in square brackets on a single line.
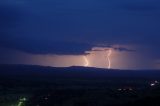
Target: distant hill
[(73, 72)]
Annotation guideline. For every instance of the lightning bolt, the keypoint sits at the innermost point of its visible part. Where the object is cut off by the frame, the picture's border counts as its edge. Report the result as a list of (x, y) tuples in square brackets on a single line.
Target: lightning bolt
[(86, 61), (108, 58)]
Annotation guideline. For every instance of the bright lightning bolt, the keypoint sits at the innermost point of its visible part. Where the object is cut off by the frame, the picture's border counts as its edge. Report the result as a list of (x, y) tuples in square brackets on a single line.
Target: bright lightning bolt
[(86, 61), (108, 58)]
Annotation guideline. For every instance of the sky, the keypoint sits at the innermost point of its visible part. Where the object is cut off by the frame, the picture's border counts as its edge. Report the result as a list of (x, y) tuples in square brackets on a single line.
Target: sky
[(62, 33)]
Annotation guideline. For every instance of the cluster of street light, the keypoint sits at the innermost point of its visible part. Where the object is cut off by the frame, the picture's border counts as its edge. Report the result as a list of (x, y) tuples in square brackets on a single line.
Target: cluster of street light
[(21, 101), (154, 83)]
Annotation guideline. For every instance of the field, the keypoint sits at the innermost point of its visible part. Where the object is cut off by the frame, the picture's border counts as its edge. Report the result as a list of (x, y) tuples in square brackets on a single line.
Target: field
[(22, 85)]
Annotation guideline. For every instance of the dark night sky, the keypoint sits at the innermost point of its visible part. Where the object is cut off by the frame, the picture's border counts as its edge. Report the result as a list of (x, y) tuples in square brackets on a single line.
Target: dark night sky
[(71, 27)]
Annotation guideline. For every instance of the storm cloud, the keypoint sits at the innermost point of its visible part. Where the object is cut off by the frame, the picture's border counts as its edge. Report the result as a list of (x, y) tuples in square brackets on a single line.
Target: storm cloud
[(73, 27)]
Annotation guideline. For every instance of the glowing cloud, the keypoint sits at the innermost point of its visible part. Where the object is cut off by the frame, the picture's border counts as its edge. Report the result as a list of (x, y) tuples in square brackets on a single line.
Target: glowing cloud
[(86, 61), (108, 58)]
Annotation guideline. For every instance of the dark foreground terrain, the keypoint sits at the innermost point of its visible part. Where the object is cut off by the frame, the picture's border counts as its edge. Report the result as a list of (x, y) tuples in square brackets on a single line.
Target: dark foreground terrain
[(22, 85)]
